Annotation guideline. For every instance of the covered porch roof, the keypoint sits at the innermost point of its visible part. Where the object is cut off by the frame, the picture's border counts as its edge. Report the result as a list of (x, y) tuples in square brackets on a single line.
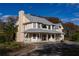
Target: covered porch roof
[(41, 31)]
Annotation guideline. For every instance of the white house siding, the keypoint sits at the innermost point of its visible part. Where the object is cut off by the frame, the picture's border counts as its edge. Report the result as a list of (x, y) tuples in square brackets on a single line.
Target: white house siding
[(24, 24), (28, 26)]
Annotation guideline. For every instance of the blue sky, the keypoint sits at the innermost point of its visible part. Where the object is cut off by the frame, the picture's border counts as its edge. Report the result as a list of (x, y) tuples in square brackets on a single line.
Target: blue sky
[(66, 12)]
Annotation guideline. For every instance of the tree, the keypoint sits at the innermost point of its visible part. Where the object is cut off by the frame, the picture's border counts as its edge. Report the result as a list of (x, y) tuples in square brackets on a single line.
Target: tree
[(10, 29), (70, 25), (54, 20), (1, 26), (70, 29)]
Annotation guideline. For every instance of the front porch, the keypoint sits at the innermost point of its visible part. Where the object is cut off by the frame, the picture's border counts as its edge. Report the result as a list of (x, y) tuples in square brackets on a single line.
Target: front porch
[(42, 37)]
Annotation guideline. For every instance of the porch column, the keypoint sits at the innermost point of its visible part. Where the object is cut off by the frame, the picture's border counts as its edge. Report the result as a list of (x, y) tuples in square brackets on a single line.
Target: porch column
[(25, 36), (32, 37), (55, 37), (29, 38), (51, 37), (51, 27), (62, 37), (36, 37), (32, 25), (36, 25), (39, 37), (47, 27), (40, 26), (47, 37)]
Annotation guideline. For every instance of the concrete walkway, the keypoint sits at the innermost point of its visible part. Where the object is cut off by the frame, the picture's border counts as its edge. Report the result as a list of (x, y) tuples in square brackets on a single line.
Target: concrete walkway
[(71, 42)]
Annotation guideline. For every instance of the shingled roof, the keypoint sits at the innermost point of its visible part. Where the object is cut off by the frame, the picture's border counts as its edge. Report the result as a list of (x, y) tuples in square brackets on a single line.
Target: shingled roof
[(38, 19)]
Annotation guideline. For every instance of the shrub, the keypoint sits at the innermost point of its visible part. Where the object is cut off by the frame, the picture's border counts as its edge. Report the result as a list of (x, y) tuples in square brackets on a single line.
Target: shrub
[(75, 37)]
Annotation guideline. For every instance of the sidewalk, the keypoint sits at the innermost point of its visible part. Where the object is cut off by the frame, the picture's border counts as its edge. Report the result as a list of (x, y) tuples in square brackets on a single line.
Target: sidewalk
[(71, 42)]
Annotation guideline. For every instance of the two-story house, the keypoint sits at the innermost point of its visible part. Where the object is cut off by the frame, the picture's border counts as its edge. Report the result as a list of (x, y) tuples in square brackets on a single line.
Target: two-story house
[(37, 29)]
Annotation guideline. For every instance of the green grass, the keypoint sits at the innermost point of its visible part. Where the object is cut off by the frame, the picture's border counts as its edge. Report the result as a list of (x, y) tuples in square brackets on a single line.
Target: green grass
[(7, 47)]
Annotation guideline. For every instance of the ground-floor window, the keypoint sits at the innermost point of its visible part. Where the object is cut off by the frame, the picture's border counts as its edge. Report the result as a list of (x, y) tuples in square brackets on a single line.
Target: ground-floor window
[(26, 35), (34, 36), (38, 36), (48, 36), (43, 37), (52, 35), (58, 35)]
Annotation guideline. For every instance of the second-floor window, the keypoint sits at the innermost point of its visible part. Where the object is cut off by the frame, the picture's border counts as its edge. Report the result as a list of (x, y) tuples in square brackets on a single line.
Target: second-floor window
[(56, 27), (34, 25), (44, 26), (39, 25), (49, 27), (53, 26)]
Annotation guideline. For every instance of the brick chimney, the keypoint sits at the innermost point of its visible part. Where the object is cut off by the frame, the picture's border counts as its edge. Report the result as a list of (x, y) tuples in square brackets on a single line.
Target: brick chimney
[(20, 33)]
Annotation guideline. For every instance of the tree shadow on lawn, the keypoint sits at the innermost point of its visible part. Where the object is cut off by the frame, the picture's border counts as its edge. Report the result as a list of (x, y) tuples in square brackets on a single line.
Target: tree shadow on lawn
[(4, 51), (60, 49)]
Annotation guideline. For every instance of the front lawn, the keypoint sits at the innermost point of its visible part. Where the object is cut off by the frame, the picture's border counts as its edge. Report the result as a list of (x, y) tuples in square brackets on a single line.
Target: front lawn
[(7, 47)]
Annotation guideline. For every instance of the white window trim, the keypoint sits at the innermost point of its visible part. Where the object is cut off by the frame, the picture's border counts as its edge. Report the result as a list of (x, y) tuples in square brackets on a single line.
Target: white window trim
[(36, 25)]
